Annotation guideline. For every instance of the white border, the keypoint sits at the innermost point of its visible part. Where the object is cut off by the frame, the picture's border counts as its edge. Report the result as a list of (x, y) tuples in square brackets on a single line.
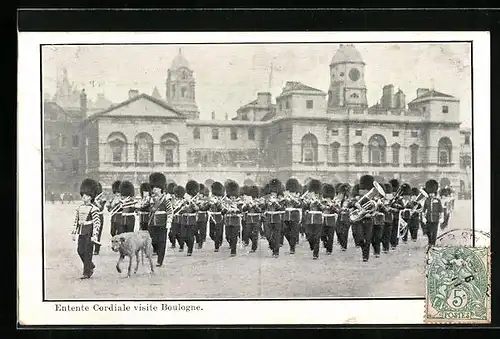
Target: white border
[(32, 311)]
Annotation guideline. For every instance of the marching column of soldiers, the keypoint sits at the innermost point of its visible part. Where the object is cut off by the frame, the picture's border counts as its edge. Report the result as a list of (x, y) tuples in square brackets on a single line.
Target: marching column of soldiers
[(379, 215)]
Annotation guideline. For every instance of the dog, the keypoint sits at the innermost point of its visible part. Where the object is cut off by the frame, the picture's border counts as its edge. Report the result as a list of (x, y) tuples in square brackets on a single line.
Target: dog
[(129, 244)]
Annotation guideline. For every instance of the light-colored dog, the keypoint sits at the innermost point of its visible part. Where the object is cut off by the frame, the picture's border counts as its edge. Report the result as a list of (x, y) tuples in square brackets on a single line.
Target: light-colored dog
[(129, 244)]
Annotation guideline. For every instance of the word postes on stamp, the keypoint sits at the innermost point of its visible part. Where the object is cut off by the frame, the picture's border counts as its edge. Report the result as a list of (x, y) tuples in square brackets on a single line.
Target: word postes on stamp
[(463, 237), (458, 285)]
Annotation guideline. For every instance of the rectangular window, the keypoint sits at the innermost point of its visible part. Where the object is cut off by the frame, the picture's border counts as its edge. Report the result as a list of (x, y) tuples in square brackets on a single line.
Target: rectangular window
[(169, 157), (414, 156), (215, 133), (445, 109), (244, 116), (414, 134), (395, 133), (287, 104), (335, 132), (359, 132), (309, 104), (251, 134), (395, 156), (63, 140), (234, 134), (358, 155), (424, 109), (75, 165), (467, 140), (76, 140)]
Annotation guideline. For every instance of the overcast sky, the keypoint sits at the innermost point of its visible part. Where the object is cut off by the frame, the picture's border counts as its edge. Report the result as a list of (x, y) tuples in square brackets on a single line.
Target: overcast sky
[(228, 76)]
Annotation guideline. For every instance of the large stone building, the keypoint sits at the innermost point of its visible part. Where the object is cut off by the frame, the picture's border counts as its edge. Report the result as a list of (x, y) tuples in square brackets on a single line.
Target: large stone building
[(307, 133)]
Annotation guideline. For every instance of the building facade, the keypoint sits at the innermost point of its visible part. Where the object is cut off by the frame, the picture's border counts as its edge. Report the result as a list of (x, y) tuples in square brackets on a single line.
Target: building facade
[(333, 136)]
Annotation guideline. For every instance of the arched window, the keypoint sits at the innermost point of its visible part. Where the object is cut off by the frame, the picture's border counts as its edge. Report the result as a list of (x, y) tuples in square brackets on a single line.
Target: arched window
[(335, 152), (444, 151), (173, 91), (377, 146), (309, 148), (143, 148), (466, 159), (358, 153), (196, 133), (414, 154), (170, 149), (395, 153), (117, 147), (183, 92)]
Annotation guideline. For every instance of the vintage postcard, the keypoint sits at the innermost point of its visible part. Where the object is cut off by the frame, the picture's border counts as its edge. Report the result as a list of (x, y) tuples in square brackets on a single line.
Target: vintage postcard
[(253, 178)]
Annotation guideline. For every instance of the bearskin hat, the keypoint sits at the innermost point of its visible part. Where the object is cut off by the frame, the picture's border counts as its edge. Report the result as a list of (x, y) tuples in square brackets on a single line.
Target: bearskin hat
[(444, 192), (328, 191), (314, 186), (366, 182), (415, 191), (202, 186), (179, 191), (157, 179), (337, 187), (292, 185), (192, 187), (99, 188), (275, 186), (244, 190), (116, 186), (405, 189), (89, 187), (127, 189), (265, 191), (431, 186), (217, 189), (343, 188), (355, 190), (232, 189), (395, 184), (171, 187), (387, 188), (253, 191), (145, 187)]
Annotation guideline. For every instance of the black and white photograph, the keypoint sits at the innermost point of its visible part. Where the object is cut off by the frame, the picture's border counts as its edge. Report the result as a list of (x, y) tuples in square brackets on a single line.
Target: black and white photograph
[(300, 170)]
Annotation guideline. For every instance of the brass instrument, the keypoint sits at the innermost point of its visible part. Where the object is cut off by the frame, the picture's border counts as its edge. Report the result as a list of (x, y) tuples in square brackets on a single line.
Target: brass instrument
[(419, 200), (367, 202), (184, 203), (398, 193)]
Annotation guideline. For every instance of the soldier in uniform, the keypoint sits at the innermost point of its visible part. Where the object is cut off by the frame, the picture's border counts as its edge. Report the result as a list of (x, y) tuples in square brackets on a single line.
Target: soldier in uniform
[(160, 215), (171, 196), (293, 212), (343, 221), (405, 212), (444, 195), (396, 205), (253, 210), (414, 220), (432, 211), (388, 218), (86, 226), (189, 213), (274, 216), (114, 208), (313, 217), (143, 206), (265, 220), (202, 217), (365, 225), (127, 203), (355, 196), (378, 226), (215, 214), (100, 203), (232, 215), (177, 201), (330, 214)]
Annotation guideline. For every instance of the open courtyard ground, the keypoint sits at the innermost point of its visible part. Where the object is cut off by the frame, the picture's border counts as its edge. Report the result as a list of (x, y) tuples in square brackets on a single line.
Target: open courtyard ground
[(248, 275)]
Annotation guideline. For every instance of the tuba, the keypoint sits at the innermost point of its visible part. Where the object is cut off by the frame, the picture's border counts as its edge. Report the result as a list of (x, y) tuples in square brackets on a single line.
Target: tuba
[(421, 197), (367, 202)]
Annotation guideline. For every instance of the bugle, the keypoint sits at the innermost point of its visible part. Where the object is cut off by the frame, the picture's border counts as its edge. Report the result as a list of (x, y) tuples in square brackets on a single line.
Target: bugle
[(183, 203)]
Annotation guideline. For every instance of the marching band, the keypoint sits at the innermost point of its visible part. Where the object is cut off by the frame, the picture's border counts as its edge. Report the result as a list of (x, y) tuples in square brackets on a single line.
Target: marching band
[(380, 215)]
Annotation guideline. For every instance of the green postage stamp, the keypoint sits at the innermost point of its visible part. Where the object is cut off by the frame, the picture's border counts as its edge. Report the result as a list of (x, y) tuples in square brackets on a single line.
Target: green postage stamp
[(458, 285)]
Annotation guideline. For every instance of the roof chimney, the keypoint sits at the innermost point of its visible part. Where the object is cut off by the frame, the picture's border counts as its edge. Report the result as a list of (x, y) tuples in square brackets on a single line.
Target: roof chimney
[(263, 98), (213, 115), (133, 93)]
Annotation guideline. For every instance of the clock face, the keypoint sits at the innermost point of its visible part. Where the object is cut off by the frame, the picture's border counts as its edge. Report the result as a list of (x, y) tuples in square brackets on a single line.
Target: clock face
[(354, 74)]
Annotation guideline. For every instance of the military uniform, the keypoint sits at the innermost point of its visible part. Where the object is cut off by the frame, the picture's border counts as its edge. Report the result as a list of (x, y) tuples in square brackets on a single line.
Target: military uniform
[(432, 211), (176, 230), (343, 221), (127, 207), (355, 228), (313, 218), (144, 206), (274, 216), (414, 220), (396, 206), (188, 216), (100, 203), (232, 215), (253, 222), (202, 217), (215, 214), (114, 208), (330, 215), (365, 225), (405, 212), (86, 226), (160, 215), (388, 219), (378, 226), (293, 213)]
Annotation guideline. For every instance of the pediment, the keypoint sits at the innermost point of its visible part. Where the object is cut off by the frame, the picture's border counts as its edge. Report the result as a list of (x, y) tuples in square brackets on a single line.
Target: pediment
[(143, 106)]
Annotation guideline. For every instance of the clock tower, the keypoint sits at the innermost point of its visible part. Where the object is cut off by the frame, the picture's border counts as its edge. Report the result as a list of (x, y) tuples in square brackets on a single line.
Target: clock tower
[(347, 79)]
